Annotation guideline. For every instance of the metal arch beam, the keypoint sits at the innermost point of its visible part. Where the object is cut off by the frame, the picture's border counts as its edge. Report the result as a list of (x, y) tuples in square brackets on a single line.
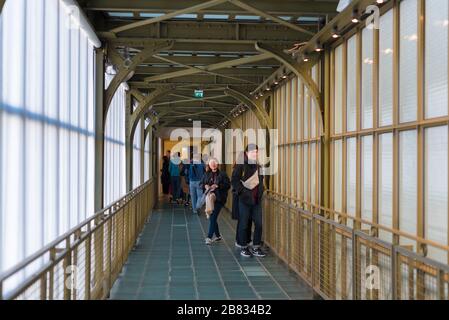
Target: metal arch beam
[(265, 15), (170, 15), (297, 68), (230, 119), (255, 105), (144, 103), (124, 73)]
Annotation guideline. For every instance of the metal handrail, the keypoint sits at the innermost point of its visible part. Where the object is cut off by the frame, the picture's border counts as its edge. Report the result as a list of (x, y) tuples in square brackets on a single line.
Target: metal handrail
[(395, 232), (307, 242), (76, 233)]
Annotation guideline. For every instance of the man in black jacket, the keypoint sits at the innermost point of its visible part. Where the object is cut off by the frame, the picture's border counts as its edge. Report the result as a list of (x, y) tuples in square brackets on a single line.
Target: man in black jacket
[(250, 201)]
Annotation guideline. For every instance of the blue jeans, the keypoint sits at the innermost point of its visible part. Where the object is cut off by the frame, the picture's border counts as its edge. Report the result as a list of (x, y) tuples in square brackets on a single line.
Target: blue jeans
[(195, 193), (213, 224), (176, 187), (246, 214)]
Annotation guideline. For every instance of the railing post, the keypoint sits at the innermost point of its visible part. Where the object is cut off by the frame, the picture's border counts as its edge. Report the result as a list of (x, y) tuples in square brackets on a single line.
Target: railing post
[(354, 267), (312, 247), (394, 272), (67, 262), (43, 286), (109, 252), (87, 275), (440, 284)]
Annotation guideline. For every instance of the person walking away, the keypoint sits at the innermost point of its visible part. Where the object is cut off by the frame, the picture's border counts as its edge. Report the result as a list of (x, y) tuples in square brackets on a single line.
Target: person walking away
[(248, 183), (175, 179), (196, 173), (217, 183), (165, 176)]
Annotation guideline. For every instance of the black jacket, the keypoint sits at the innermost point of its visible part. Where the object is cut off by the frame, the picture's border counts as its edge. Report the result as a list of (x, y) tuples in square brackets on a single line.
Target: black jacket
[(242, 172), (221, 180)]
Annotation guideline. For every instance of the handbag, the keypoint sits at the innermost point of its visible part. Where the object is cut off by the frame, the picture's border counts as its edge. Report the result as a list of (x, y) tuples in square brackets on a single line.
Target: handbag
[(202, 200)]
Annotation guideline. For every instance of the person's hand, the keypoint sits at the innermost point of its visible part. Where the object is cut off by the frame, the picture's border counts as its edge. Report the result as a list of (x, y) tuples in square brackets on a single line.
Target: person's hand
[(207, 187), (215, 186)]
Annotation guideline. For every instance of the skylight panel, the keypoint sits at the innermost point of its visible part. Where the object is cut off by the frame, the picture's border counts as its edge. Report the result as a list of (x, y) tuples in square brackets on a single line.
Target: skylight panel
[(121, 14)]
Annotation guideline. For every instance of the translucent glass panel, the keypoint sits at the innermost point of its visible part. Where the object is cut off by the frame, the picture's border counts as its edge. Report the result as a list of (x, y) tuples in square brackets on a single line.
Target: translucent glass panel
[(436, 58), (294, 110), (385, 184), (367, 77), (408, 61), (299, 172), (46, 126), (436, 184), (338, 175), (136, 156), (313, 172), (147, 157), (351, 176), (305, 172), (313, 118), (338, 90), (351, 95), (296, 119), (408, 182), (300, 108), (386, 69), (306, 113), (114, 146), (367, 178)]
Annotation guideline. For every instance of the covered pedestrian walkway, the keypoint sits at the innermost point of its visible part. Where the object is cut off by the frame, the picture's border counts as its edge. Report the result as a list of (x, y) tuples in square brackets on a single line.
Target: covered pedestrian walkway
[(170, 261), (348, 102)]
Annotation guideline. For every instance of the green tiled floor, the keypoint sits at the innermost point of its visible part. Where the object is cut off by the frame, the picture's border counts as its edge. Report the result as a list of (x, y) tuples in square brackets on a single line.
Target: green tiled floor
[(171, 261)]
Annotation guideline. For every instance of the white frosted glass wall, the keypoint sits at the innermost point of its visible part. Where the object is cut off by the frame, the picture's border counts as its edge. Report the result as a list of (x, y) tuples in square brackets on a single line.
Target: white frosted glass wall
[(408, 57), (436, 63), (47, 72), (408, 183), (136, 157), (351, 95), (114, 146), (367, 78), (386, 69), (436, 177), (338, 96), (385, 192)]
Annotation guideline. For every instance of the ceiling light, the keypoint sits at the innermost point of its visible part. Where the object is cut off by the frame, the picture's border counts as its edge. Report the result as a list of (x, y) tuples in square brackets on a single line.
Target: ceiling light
[(355, 16), (335, 33), (318, 47)]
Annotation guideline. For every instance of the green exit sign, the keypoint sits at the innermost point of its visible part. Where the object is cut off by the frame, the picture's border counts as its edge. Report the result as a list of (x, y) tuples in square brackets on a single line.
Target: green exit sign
[(198, 94)]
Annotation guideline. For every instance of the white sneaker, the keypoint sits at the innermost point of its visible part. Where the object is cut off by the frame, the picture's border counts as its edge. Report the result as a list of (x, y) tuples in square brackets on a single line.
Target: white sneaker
[(209, 241), (216, 239)]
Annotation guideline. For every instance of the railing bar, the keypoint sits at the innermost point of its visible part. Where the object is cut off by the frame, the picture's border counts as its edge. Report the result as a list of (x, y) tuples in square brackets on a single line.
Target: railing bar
[(8, 273)]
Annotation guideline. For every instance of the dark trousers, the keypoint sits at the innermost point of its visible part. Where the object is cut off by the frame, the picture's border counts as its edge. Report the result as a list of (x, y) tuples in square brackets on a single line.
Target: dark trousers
[(176, 187), (246, 214), (213, 221), (248, 233)]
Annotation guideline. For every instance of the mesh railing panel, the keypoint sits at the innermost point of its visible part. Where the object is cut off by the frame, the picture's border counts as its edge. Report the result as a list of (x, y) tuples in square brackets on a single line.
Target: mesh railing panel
[(343, 263), (84, 263)]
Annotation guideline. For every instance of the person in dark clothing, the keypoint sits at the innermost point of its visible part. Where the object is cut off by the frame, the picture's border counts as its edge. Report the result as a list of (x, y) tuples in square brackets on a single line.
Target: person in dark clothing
[(175, 179), (250, 201), (218, 182), (235, 214), (165, 175)]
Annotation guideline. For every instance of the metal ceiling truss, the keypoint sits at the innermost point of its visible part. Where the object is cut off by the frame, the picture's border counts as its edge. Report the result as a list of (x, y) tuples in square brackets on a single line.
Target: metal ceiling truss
[(168, 57)]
